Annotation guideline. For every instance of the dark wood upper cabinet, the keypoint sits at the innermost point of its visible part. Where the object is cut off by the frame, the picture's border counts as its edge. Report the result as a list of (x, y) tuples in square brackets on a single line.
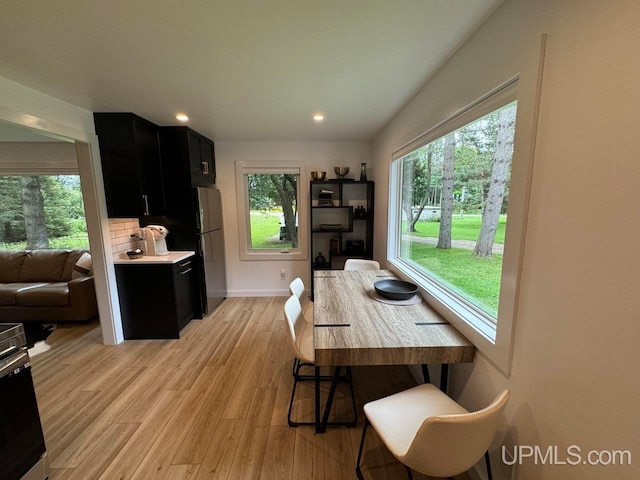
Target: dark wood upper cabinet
[(184, 146), (131, 165)]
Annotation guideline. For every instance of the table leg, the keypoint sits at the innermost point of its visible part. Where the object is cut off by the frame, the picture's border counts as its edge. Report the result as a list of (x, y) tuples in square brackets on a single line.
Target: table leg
[(444, 377), (317, 395), (425, 373), (332, 393)]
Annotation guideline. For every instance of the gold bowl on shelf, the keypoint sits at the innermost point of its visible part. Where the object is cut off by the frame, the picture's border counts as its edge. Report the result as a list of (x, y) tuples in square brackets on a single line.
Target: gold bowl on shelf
[(341, 171), (318, 176)]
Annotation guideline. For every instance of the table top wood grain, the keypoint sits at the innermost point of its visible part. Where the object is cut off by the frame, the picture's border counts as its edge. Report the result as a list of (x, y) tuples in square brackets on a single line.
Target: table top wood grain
[(352, 328)]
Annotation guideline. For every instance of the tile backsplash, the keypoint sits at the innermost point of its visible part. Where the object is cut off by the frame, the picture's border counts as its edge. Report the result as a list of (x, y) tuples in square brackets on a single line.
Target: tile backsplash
[(121, 230)]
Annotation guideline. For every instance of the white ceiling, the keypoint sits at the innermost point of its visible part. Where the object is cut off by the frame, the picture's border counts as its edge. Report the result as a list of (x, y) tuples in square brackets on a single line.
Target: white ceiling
[(241, 69)]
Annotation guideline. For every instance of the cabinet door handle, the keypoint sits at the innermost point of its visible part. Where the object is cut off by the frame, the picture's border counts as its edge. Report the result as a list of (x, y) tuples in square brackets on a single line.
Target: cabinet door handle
[(185, 263), (184, 272), (205, 168), (146, 204)]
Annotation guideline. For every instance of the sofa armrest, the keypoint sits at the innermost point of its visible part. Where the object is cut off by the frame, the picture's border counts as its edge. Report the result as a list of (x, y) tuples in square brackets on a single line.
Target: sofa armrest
[(82, 296)]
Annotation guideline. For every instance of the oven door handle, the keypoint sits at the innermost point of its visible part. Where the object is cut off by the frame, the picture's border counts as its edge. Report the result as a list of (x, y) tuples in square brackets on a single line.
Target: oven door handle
[(7, 350), (13, 363)]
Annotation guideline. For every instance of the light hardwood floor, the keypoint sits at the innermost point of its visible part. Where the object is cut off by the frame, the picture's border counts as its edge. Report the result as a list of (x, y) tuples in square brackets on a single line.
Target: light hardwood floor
[(211, 405)]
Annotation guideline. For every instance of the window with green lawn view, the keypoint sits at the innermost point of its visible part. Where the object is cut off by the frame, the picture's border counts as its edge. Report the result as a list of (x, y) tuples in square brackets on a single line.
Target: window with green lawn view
[(273, 210), (453, 208), (42, 211)]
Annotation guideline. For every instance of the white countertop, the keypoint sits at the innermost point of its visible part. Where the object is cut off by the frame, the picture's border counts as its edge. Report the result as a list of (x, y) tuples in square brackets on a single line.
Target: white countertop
[(173, 257)]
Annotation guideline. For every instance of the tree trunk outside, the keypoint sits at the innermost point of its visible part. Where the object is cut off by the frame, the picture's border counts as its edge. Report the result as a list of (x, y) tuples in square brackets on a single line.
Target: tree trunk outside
[(498, 183), (407, 190), (286, 187), (446, 205), (33, 209), (423, 202)]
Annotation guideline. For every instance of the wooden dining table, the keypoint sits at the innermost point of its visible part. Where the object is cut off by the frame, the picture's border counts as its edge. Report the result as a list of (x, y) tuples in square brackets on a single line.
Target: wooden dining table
[(353, 327)]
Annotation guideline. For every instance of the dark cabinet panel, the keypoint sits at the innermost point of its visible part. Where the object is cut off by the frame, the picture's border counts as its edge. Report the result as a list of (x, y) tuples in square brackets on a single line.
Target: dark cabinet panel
[(156, 301), (131, 166), (208, 161), (190, 152)]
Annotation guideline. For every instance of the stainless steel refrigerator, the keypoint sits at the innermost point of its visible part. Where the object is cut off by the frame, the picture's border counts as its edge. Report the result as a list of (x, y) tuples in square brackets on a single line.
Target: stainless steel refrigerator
[(210, 246), (195, 223)]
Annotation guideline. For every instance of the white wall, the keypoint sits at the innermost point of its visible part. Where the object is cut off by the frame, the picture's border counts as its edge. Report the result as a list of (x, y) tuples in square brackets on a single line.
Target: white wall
[(574, 377), (255, 278), (25, 107)]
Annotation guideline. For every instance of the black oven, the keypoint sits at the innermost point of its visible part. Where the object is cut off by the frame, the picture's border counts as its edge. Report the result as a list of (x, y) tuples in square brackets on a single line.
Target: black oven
[(22, 448)]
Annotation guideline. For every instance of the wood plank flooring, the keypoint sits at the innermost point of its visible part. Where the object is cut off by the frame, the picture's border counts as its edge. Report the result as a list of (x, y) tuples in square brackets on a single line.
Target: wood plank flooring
[(211, 405)]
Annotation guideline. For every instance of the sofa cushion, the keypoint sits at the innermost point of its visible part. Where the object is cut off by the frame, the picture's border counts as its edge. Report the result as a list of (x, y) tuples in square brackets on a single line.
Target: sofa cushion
[(9, 291), (44, 266), (73, 257), (10, 265), (83, 267), (50, 295)]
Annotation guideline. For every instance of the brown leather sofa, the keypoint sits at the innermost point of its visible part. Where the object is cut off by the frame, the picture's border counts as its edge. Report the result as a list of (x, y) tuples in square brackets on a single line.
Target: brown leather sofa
[(39, 285)]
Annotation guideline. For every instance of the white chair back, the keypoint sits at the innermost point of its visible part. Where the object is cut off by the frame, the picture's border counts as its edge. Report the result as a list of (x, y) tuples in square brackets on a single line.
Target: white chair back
[(447, 445), (297, 288), (358, 264), (295, 321)]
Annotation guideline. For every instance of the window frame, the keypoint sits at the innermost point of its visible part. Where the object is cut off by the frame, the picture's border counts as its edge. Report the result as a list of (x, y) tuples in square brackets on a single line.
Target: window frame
[(244, 168), (492, 337)]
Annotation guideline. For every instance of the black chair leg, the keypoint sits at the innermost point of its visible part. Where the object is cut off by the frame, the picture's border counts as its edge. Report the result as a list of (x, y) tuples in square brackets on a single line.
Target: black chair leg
[(364, 433), (487, 460), (321, 421), (293, 393)]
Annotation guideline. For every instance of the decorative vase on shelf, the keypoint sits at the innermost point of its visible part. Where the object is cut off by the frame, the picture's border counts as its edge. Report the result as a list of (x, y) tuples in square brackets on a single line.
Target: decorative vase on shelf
[(363, 172), (320, 261)]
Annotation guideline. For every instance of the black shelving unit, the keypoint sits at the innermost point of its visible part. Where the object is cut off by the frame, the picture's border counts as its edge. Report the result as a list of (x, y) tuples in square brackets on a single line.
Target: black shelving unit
[(342, 225)]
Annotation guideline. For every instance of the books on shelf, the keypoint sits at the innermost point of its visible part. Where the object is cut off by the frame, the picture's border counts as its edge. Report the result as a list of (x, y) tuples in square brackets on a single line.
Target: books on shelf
[(334, 246)]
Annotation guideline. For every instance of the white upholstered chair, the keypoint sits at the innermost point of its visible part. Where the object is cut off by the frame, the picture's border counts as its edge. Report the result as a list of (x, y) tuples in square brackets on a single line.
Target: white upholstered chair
[(358, 264), (300, 336), (432, 434), (296, 287)]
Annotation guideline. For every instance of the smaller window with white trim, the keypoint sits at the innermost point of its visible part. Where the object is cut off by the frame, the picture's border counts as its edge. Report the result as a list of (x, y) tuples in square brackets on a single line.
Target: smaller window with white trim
[(270, 199)]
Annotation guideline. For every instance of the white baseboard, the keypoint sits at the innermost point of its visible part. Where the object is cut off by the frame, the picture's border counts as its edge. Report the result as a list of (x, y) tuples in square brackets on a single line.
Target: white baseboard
[(258, 293)]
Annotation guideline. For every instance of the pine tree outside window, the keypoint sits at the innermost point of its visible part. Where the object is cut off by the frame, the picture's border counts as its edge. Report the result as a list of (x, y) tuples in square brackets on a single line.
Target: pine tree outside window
[(449, 208)]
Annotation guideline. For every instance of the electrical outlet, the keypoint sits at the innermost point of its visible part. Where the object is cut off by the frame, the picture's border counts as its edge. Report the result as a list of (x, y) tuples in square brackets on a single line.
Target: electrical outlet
[(283, 274)]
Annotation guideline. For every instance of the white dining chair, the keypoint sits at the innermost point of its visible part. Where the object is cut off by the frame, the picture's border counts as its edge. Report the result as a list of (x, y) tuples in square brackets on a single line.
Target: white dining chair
[(297, 288), (430, 433), (358, 264), (300, 335)]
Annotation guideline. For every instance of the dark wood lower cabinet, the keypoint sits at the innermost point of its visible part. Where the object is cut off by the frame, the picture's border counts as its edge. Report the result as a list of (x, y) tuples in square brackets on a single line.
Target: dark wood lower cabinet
[(156, 300)]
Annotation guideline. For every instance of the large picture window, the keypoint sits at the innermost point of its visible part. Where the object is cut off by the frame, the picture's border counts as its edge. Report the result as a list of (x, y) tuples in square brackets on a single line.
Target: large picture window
[(270, 197), (455, 194), (42, 211), (451, 192)]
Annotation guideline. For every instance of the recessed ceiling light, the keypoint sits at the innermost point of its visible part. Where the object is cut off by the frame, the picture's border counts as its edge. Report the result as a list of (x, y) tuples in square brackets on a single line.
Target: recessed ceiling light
[(318, 117), (182, 117)]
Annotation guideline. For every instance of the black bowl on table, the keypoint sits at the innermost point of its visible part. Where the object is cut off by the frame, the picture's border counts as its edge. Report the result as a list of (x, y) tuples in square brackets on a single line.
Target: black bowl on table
[(395, 289)]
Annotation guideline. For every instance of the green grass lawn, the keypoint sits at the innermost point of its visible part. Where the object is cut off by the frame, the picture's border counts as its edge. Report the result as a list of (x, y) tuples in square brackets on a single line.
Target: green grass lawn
[(465, 228), (76, 242), (265, 231), (477, 279)]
